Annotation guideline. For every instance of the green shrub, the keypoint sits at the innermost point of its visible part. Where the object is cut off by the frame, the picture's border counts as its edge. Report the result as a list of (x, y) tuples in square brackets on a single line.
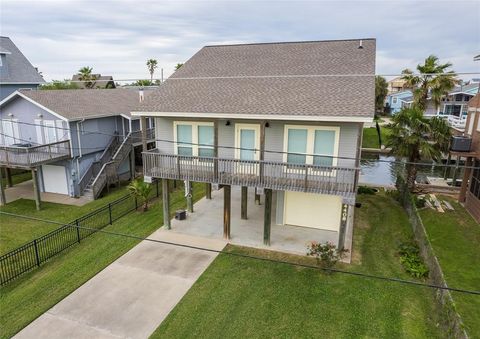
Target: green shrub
[(366, 190), (327, 254), (419, 202), (412, 261)]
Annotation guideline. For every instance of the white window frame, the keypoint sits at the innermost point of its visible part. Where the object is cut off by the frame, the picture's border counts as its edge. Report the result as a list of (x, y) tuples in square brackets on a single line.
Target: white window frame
[(195, 125), (238, 128), (47, 124), (15, 132), (311, 142)]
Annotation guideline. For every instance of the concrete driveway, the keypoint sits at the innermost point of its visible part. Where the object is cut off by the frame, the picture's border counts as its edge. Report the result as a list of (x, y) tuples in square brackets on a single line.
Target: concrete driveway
[(133, 295)]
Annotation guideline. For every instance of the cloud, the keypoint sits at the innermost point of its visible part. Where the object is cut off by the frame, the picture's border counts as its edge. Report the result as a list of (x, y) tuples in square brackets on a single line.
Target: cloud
[(117, 37)]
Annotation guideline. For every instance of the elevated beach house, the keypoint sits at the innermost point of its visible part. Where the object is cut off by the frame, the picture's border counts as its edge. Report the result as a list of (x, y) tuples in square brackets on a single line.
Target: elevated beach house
[(75, 142), (283, 120)]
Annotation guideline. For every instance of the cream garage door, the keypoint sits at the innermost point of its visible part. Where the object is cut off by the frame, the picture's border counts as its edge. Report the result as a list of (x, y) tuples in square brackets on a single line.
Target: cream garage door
[(55, 179), (313, 210)]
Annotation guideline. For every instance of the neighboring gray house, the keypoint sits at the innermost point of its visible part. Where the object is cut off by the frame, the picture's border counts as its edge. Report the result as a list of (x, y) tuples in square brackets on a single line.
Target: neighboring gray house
[(101, 81), (91, 131), (16, 72), (285, 119)]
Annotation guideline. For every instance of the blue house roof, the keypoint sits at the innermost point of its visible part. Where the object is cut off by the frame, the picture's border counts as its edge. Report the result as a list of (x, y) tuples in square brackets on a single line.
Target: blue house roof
[(15, 67)]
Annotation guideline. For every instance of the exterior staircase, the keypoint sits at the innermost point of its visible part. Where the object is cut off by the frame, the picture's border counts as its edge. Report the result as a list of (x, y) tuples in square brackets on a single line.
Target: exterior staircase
[(108, 173)]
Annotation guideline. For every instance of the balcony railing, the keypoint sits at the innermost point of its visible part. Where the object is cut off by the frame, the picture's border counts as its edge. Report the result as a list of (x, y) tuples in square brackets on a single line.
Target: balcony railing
[(137, 135), (254, 173), (27, 157)]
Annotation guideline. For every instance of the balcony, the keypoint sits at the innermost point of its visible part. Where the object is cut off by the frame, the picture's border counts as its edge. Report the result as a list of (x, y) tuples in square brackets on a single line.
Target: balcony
[(253, 173), (28, 157)]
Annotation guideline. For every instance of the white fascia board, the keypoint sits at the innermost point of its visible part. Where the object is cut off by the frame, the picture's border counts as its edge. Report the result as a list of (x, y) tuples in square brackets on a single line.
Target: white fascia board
[(254, 116)]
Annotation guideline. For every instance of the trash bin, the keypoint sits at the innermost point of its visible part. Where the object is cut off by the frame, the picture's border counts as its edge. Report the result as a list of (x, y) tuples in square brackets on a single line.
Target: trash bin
[(180, 214)]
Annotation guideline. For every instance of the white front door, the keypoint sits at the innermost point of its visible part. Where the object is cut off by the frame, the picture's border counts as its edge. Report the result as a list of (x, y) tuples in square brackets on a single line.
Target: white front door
[(247, 147), (55, 179)]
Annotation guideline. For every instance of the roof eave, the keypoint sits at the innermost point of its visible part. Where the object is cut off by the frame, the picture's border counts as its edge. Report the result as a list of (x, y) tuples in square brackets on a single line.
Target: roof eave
[(250, 116)]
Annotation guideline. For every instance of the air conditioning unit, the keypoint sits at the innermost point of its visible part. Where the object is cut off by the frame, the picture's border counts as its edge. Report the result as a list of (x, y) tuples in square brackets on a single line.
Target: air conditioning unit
[(461, 143)]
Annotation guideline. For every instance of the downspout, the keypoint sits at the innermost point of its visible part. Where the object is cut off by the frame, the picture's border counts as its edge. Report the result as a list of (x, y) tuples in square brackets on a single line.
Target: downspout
[(78, 138)]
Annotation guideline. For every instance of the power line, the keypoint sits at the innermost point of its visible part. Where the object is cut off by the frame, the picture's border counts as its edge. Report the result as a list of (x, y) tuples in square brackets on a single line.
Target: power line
[(399, 162), (333, 270)]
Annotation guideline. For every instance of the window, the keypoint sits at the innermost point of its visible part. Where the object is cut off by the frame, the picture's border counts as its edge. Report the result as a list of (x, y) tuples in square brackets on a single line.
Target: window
[(50, 131), (394, 100), (205, 140), (453, 109), (194, 138), (325, 147), (10, 132), (297, 143), (184, 140), (317, 145)]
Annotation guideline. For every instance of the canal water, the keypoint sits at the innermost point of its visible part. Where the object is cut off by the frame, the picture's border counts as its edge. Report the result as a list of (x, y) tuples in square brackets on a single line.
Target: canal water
[(382, 170)]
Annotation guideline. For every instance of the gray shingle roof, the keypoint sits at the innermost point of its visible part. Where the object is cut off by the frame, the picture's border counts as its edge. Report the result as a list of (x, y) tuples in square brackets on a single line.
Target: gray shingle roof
[(17, 69), (87, 103), (295, 78)]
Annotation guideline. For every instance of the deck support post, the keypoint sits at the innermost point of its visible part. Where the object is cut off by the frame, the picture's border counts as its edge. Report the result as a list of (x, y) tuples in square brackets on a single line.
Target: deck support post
[(131, 157), (166, 204), (189, 195), (267, 217), (244, 202), (257, 198), (343, 226), (446, 174), (3, 200), (226, 211), (455, 171), (36, 189), (466, 176), (208, 191), (143, 127), (8, 174)]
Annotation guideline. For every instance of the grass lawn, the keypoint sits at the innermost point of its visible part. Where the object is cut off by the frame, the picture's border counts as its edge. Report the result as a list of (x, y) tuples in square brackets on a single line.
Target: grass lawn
[(241, 297), (370, 136), (14, 232), (455, 237), (18, 176), (28, 297)]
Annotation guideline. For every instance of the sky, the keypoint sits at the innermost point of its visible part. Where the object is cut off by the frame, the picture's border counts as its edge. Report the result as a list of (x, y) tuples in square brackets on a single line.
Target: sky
[(117, 37)]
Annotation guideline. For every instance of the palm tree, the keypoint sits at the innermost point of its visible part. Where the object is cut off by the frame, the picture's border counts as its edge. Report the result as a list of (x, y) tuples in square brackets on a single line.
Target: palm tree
[(434, 80), (415, 137), (142, 190), (87, 76), (152, 64)]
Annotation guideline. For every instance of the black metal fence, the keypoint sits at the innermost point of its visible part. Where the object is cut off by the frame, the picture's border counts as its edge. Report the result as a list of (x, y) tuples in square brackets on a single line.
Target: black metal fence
[(31, 255)]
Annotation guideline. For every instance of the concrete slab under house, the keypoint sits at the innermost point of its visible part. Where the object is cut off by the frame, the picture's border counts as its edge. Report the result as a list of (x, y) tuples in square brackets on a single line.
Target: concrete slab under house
[(207, 221)]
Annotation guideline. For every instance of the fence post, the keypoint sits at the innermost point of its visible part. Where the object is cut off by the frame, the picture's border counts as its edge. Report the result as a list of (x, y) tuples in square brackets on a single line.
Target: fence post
[(78, 230), (36, 252), (110, 212)]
